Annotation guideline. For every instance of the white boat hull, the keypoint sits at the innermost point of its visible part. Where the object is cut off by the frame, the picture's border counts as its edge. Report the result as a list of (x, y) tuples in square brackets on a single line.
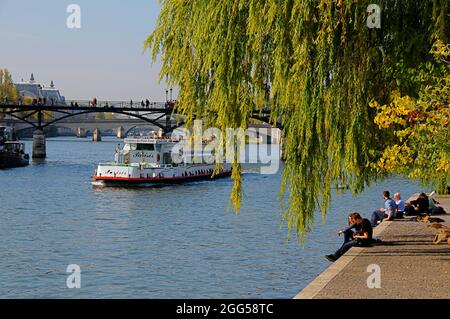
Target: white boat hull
[(116, 174)]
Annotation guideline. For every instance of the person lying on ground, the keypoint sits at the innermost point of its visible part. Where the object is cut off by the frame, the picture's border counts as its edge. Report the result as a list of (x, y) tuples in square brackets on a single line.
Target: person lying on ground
[(435, 209), (362, 238)]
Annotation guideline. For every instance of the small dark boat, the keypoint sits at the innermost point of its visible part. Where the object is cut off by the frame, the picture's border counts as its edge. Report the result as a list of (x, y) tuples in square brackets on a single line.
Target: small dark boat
[(12, 152)]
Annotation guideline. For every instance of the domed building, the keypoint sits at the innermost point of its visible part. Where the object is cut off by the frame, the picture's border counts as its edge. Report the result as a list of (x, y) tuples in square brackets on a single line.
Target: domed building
[(52, 95), (29, 89), (34, 90)]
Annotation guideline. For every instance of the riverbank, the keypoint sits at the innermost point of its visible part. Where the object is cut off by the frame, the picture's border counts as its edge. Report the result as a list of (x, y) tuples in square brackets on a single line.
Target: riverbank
[(412, 267)]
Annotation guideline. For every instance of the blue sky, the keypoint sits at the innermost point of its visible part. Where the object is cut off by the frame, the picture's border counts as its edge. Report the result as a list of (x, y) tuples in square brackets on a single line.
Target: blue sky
[(103, 59)]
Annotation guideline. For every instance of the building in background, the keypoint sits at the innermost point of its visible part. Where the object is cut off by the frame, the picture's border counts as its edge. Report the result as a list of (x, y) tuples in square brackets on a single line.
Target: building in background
[(52, 94), (35, 91)]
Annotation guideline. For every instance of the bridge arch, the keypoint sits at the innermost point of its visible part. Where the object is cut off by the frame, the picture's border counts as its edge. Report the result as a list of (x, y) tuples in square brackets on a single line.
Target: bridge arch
[(127, 132), (66, 115), (138, 116)]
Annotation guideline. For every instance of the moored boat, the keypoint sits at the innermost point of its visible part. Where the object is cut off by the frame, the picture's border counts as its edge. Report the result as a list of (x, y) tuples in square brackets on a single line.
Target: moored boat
[(12, 152)]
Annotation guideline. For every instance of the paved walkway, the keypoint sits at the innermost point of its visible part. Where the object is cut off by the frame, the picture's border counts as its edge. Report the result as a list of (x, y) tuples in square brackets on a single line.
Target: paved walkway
[(411, 265)]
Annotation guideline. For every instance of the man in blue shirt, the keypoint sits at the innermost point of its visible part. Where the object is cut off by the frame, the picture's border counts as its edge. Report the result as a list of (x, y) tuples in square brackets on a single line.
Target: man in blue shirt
[(386, 213)]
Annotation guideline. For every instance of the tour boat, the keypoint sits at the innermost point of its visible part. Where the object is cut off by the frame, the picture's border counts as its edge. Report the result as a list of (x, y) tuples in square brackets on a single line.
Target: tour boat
[(12, 152), (153, 160)]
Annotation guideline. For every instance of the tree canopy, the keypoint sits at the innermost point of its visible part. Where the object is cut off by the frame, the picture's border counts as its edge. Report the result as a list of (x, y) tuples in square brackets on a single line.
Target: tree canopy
[(7, 89), (420, 147), (8, 92), (317, 66)]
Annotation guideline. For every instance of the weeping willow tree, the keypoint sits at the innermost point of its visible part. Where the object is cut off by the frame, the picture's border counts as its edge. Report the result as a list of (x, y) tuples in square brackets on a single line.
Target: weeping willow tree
[(315, 63)]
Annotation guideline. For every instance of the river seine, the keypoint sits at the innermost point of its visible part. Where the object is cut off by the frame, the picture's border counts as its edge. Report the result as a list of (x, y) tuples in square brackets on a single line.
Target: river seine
[(166, 242)]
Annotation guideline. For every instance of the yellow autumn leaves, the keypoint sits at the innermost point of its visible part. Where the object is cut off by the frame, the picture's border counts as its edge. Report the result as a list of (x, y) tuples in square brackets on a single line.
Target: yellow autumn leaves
[(420, 125)]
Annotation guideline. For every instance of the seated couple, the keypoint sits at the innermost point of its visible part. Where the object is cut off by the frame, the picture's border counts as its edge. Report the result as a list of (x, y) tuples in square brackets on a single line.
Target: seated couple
[(362, 236), (393, 209), (424, 205)]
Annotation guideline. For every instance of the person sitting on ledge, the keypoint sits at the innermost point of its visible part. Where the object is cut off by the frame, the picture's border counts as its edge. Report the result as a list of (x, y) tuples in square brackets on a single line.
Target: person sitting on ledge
[(348, 232), (386, 213), (362, 237), (422, 204), (400, 206)]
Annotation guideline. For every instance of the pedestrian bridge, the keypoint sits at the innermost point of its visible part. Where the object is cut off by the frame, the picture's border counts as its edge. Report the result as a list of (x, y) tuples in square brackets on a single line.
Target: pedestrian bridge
[(90, 116)]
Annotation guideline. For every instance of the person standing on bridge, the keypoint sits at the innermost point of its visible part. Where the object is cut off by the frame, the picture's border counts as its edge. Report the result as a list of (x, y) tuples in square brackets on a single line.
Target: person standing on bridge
[(142, 103), (131, 103), (94, 102), (147, 103)]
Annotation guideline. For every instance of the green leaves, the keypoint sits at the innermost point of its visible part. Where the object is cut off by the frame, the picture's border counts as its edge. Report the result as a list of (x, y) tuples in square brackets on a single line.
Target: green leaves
[(421, 124), (314, 62), (7, 89)]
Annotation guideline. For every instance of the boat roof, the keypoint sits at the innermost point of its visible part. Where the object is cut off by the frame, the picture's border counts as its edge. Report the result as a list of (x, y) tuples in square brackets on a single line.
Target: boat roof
[(147, 140)]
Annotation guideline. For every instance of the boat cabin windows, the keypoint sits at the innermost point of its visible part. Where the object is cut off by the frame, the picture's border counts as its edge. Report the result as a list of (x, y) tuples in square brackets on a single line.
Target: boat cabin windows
[(7, 133), (139, 147), (145, 147), (14, 147)]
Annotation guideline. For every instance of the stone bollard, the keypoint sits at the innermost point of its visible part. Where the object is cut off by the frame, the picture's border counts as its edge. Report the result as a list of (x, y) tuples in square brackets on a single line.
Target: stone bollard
[(81, 132), (121, 132), (39, 150), (96, 136)]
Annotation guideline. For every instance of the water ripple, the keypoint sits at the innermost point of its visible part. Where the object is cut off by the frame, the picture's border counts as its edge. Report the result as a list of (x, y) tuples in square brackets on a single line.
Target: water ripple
[(169, 242)]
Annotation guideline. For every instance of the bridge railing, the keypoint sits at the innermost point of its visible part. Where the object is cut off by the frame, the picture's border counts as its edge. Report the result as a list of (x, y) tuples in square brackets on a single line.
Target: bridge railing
[(100, 104), (118, 104), (151, 110)]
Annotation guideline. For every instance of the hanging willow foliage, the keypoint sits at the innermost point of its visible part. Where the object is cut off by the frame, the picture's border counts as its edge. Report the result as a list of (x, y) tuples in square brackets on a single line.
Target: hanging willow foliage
[(315, 63)]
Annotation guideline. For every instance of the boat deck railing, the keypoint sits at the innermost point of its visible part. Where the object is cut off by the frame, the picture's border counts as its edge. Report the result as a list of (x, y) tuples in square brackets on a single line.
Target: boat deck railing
[(146, 165)]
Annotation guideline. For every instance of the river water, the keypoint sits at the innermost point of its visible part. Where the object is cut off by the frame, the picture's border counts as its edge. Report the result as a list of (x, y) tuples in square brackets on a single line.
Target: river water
[(169, 242)]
